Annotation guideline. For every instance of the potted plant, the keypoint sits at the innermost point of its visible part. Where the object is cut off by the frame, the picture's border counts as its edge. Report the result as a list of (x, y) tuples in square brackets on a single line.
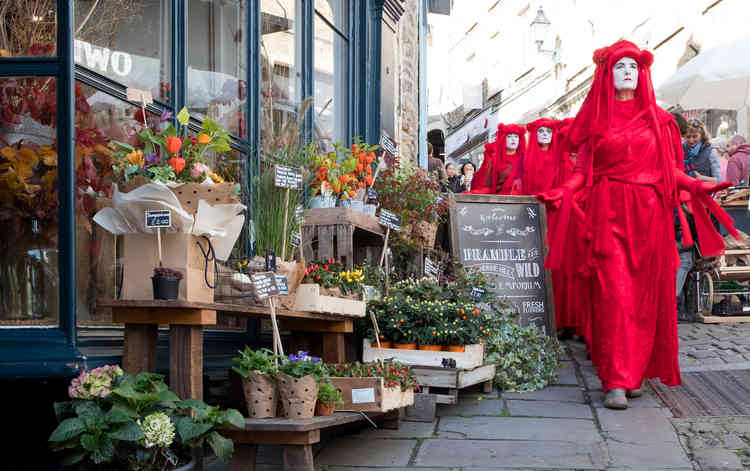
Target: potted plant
[(166, 283), (298, 380), (427, 337), (328, 398), (258, 371), (122, 421)]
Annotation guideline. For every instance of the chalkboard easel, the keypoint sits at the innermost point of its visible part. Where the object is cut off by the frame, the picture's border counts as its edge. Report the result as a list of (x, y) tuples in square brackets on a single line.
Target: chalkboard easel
[(504, 236)]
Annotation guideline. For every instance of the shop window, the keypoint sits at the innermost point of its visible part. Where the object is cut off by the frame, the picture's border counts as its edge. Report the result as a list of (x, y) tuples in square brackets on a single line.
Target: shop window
[(127, 41), (217, 62), (29, 273), (336, 12), (280, 73), (331, 93), (28, 29)]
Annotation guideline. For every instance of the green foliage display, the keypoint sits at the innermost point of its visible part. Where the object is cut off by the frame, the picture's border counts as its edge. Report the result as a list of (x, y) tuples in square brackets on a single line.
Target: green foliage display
[(328, 395), (137, 423), (251, 360), (301, 364), (394, 373)]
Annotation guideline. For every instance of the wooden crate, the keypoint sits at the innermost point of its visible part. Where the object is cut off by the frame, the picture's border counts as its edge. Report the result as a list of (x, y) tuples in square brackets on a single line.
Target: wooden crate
[(471, 358), (723, 319), (342, 234), (370, 395), (309, 299), (453, 379)]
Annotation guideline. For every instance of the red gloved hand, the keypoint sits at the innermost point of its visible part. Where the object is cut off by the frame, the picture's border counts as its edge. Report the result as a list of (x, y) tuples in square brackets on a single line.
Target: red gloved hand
[(551, 198), (710, 187)]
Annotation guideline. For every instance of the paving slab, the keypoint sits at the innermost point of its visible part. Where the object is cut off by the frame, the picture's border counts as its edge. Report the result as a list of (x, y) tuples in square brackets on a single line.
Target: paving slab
[(471, 407), (591, 378), (406, 430), (520, 428), (646, 426), (647, 456), (647, 400), (356, 452), (551, 409), (717, 459), (485, 454), (550, 393), (566, 375)]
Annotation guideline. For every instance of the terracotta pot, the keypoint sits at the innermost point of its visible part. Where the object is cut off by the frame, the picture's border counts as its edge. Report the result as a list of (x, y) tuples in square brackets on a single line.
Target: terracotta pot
[(405, 346), (298, 395), (383, 344), (261, 395), (323, 409), (433, 348), (454, 348)]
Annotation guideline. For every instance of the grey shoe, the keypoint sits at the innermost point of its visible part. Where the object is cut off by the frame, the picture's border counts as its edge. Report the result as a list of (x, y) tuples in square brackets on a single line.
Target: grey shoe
[(615, 399), (632, 393)]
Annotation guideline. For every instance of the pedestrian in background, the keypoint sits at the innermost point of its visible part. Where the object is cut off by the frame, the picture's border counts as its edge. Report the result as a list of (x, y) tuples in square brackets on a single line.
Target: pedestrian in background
[(453, 180), (701, 160), (737, 167), (434, 165), (467, 175), (720, 146)]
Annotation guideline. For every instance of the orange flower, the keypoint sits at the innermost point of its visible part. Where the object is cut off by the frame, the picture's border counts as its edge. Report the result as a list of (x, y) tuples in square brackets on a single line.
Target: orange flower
[(203, 138), (475, 311), (136, 158), (177, 163), (173, 145), (461, 310), (401, 320), (355, 148), (368, 180), (463, 317), (352, 193)]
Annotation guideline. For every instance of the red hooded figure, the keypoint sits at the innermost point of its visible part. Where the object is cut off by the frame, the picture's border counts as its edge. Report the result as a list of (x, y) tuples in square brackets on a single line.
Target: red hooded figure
[(540, 168), (495, 171), (630, 165)]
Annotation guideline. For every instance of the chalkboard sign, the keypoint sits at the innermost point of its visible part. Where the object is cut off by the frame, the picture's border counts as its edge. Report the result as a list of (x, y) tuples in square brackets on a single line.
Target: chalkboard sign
[(431, 269), (265, 285), (388, 219), (477, 294), (288, 177), (503, 236), (387, 144), (372, 194), (270, 260), (282, 284), (159, 218), (296, 239), (299, 214)]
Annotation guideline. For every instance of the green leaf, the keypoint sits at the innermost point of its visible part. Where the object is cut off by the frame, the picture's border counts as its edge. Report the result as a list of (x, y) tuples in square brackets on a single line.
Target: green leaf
[(234, 417), (116, 417), (67, 429), (121, 407), (123, 145), (105, 453), (73, 457), (167, 396), (222, 447), (90, 442), (183, 116), (129, 432), (189, 429), (192, 404), (63, 409)]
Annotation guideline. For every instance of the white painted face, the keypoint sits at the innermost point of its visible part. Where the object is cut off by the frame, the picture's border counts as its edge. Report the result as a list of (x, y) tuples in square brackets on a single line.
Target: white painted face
[(544, 135), (625, 72), (511, 141)]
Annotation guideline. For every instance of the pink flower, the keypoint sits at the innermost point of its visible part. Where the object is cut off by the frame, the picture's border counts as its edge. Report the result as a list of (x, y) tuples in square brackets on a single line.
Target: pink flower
[(200, 169)]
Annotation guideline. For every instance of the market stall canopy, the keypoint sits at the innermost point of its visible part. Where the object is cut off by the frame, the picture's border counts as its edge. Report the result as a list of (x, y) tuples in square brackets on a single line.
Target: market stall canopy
[(718, 78)]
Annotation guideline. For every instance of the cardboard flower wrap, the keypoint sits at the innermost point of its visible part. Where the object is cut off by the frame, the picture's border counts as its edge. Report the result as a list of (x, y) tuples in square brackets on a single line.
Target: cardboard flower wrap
[(298, 396), (261, 395)]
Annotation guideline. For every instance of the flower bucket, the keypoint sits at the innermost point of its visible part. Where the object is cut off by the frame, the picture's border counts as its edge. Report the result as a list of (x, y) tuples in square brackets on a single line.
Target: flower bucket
[(432, 348), (357, 205), (323, 202), (165, 287), (405, 346), (324, 410), (370, 209), (298, 396), (261, 395), (383, 344), (454, 348)]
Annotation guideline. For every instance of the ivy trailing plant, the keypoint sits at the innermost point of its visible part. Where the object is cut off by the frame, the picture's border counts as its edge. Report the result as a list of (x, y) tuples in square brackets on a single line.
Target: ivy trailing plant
[(135, 423)]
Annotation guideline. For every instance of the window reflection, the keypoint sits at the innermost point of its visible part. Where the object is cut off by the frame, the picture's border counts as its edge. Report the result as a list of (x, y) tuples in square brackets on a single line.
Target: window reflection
[(127, 41), (28, 202), (29, 29), (217, 68), (331, 89)]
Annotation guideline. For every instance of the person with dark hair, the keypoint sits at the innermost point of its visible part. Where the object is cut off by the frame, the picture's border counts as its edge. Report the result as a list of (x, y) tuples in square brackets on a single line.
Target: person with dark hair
[(467, 174), (737, 167), (453, 180), (701, 160), (681, 122), (434, 165)]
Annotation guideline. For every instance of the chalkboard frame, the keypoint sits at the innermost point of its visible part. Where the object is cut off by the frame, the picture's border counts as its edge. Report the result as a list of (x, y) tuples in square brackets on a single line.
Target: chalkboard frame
[(551, 325)]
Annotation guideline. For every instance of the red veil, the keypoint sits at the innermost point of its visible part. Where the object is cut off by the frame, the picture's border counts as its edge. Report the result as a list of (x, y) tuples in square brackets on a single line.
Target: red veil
[(496, 162), (541, 169), (509, 162)]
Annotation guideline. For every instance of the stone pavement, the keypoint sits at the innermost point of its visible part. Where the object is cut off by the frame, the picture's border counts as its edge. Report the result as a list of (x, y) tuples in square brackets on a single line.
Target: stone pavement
[(562, 427)]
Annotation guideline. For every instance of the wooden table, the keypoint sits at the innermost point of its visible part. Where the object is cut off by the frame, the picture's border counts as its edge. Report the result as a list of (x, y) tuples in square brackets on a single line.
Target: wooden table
[(295, 435), (186, 321), (336, 230)]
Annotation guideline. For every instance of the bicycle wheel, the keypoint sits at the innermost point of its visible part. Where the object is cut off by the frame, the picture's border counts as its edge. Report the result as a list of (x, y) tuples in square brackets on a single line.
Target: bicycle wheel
[(705, 294)]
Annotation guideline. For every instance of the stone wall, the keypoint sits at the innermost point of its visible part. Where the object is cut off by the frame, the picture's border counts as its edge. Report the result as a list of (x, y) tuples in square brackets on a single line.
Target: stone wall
[(407, 103)]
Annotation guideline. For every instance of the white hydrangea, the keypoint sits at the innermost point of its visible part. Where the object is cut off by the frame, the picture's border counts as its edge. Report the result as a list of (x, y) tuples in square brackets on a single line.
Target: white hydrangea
[(158, 430)]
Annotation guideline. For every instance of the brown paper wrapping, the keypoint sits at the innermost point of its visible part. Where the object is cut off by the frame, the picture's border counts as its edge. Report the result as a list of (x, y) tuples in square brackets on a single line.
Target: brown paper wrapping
[(261, 395), (298, 396)]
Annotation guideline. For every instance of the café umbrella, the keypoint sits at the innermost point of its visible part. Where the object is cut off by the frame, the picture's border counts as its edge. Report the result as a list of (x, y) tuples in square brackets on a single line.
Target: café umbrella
[(718, 78)]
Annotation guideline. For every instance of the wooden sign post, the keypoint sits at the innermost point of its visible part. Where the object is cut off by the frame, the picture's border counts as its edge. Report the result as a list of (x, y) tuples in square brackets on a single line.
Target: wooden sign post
[(266, 288), (158, 219), (299, 217), (289, 178), (390, 221)]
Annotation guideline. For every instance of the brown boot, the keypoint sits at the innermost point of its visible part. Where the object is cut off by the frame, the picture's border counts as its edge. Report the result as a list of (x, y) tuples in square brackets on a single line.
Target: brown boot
[(615, 399)]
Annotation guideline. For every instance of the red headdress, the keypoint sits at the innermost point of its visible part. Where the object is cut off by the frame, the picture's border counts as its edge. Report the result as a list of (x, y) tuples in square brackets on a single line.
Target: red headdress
[(541, 169), (508, 162), (496, 160)]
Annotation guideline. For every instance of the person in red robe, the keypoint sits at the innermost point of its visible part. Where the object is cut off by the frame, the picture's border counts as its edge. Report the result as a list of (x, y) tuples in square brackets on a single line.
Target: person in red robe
[(493, 177), (540, 168), (630, 164), (484, 180)]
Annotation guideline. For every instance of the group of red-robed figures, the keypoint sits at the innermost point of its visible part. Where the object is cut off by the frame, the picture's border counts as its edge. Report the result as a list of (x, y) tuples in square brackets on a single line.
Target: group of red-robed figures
[(612, 180)]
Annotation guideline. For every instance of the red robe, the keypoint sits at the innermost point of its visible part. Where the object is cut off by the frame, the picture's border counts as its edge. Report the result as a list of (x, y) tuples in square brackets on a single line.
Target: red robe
[(540, 170), (494, 176)]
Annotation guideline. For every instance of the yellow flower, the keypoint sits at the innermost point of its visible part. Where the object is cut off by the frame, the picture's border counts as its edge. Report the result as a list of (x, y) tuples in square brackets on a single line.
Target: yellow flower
[(216, 178), (203, 138), (136, 158), (48, 156)]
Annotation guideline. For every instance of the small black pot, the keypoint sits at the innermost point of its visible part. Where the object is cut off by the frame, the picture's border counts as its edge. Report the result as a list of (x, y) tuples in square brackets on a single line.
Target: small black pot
[(165, 287)]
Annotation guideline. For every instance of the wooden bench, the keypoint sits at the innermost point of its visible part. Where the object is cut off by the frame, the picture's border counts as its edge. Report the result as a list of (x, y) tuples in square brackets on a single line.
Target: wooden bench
[(296, 436)]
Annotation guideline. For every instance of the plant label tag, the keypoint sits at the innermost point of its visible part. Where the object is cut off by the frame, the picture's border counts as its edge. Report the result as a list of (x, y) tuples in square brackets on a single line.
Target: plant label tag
[(288, 177), (387, 144), (265, 285), (296, 239), (372, 195), (477, 293), (159, 218), (431, 269), (389, 219), (299, 214), (139, 96), (283, 285), (270, 260), (363, 395)]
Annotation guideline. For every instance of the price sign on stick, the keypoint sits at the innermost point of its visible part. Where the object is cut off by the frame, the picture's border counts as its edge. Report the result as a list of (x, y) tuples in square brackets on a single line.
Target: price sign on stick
[(282, 283), (288, 177), (372, 195), (296, 239), (299, 214), (158, 219), (265, 285), (431, 269), (388, 145), (477, 293), (390, 221), (270, 260)]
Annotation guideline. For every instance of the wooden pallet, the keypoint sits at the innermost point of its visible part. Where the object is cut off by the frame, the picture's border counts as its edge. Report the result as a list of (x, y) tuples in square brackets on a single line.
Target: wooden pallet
[(723, 319), (342, 234), (453, 379)]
